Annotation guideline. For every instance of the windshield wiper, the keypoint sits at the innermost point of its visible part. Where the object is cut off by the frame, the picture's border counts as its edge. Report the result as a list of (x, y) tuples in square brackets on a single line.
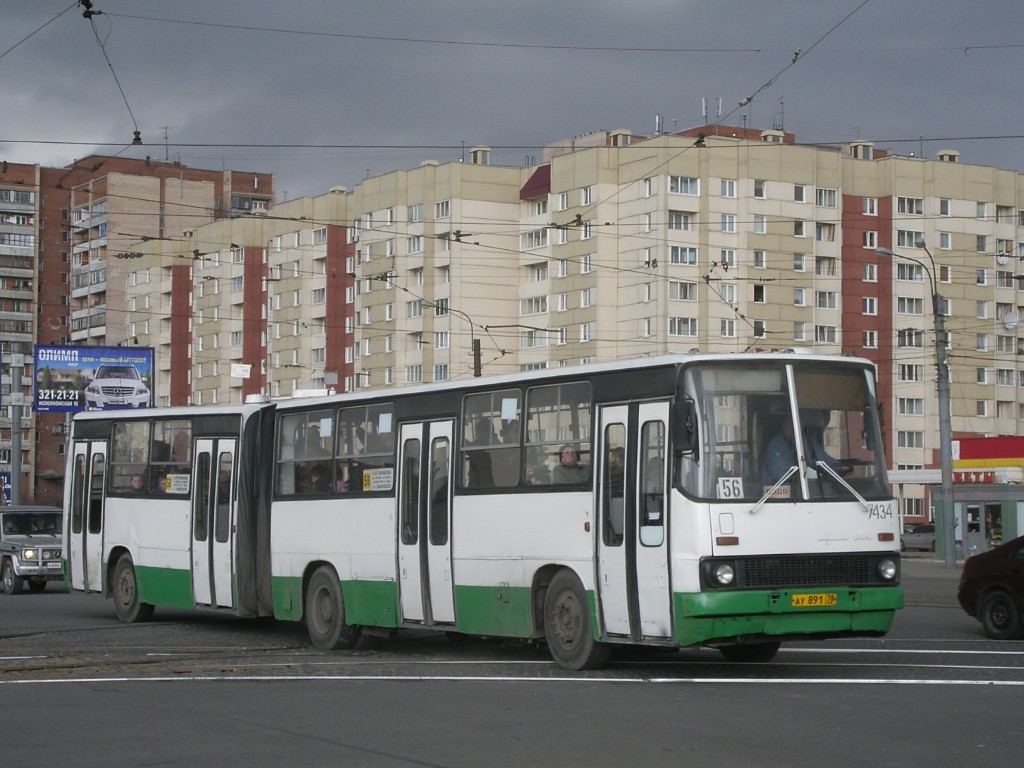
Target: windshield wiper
[(771, 491), (839, 479)]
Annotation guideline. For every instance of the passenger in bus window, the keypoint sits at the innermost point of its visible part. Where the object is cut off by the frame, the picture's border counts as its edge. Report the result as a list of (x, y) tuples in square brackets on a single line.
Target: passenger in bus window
[(537, 472), (343, 483), (569, 470), (137, 484)]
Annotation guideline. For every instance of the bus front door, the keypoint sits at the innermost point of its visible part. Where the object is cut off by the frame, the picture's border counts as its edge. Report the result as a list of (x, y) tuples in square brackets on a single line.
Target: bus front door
[(633, 558), (213, 522), (85, 528), (424, 521)]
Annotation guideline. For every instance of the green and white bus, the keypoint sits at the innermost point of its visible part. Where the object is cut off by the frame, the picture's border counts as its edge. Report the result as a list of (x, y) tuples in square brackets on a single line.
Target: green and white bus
[(726, 501)]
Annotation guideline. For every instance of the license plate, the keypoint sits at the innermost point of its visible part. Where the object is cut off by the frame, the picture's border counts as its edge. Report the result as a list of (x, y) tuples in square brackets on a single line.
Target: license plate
[(813, 600), (54, 566)]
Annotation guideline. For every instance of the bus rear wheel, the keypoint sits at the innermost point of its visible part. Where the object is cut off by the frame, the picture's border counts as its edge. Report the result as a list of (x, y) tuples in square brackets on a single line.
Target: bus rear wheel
[(127, 606), (567, 626), (325, 613)]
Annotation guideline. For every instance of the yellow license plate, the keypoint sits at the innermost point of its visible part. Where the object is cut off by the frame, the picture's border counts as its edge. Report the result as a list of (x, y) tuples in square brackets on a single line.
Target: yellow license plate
[(813, 600)]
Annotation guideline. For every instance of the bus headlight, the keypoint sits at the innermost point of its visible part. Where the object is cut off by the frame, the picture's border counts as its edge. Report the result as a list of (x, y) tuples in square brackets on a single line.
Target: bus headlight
[(887, 569), (724, 574)]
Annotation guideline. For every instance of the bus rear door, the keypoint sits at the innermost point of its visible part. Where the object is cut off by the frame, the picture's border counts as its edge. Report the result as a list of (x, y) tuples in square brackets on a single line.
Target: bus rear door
[(424, 523), (633, 576), (213, 522), (85, 528)]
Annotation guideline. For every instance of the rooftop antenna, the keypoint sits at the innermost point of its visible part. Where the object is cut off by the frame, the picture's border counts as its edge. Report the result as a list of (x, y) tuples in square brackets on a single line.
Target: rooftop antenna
[(166, 155)]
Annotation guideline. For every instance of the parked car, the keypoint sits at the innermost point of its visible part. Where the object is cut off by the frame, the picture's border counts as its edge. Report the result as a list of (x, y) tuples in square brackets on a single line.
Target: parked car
[(30, 547), (116, 386), (920, 536), (992, 590)]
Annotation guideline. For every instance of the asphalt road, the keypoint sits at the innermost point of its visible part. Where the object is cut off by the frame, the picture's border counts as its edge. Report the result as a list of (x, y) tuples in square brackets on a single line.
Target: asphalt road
[(192, 689)]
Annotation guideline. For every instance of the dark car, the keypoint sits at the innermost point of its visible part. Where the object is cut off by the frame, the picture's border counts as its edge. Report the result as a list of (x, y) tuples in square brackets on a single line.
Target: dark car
[(920, 536), (992, 590)]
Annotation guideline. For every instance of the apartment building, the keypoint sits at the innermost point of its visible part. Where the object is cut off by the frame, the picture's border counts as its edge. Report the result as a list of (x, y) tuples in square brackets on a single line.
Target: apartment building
[(67, 238), (719, 239), (251, 305)]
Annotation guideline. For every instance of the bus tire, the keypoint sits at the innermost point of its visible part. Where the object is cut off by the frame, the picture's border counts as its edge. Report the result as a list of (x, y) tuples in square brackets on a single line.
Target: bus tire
[(325, 613), (125, 591), (753, 653), (12, 581), (567, 628)]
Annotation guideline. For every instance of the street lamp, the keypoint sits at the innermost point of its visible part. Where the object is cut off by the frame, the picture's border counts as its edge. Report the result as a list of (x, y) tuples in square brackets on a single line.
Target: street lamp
[(473, 340), (942, 386)]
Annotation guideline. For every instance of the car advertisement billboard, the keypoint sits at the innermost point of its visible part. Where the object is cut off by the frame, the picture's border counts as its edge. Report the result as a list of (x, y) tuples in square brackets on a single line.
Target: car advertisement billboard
[(74, 378)]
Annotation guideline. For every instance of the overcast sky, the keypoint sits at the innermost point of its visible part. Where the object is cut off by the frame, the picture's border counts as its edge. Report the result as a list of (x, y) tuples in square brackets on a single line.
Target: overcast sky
[(350, 88)]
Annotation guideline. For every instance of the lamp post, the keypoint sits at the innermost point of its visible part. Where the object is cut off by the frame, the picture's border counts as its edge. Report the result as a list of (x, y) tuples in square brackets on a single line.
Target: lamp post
[(473, 340), (942, 387)]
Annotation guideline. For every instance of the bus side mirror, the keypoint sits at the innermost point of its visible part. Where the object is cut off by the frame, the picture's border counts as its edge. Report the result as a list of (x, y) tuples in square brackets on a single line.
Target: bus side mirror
[(684, 426)]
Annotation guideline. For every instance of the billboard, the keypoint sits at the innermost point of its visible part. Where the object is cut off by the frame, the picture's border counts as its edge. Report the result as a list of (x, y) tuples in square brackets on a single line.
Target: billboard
[(75, 378)]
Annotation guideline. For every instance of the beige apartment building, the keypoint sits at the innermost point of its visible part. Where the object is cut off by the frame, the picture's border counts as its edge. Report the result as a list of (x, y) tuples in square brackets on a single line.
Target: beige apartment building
[(718, 239)]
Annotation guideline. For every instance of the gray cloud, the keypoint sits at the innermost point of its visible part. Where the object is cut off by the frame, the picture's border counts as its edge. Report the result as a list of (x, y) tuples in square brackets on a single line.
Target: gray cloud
[(893, 70)]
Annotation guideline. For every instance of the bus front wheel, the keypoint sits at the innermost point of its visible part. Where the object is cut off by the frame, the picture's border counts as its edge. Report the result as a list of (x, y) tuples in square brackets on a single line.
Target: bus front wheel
[(127, 606), (567, 626), (325, 613)]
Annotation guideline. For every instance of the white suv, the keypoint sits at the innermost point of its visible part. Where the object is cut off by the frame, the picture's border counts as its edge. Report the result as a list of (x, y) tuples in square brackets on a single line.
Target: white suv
[(116, 386)]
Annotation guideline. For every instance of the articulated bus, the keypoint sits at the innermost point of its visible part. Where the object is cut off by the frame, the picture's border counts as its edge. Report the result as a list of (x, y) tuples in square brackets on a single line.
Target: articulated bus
[(733, 502)]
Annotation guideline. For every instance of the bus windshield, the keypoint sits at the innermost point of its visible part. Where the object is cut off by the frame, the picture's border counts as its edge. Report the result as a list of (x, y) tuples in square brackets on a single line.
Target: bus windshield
[(782, 432)]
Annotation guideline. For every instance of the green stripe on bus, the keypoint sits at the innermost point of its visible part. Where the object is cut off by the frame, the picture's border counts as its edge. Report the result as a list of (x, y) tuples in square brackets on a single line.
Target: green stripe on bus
[(707, 616), (371, 603), (367, 603), (164, 586), (501, 611)]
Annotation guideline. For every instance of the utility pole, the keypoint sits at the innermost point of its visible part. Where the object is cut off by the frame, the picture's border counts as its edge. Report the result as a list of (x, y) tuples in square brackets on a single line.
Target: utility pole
[(17, 402)]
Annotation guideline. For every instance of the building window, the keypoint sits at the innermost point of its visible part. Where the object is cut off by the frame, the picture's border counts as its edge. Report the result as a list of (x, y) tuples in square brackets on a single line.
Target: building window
[(682, 326), (682, 254), (908, 238), (907, 372), (869, 239), (681, 290), (869, 206), (728, 188), (679, 220), (799, 193), (415, 212), (909, 439), (760, 260), (825, 334), (907, 305), (683, 185), (913, 206), (728, 222), (728, 328), (869, 273), (760, 188), (760, 223), (799, 297), (869, 305), (870, 339), (442, 209), (825, 198)]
